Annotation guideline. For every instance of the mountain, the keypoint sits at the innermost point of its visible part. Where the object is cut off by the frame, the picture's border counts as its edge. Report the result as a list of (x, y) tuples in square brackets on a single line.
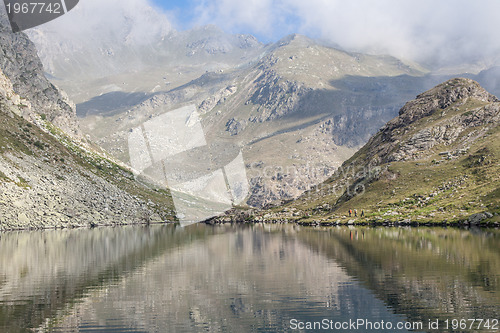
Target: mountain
[(50, 178), (297, 112), (297, 109), (99, 60), (438, 160)]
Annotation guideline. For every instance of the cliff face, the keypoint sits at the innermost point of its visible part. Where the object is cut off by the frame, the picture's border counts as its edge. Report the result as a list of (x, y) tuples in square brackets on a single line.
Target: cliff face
[(456, 91), (20, 64), (437, 117)]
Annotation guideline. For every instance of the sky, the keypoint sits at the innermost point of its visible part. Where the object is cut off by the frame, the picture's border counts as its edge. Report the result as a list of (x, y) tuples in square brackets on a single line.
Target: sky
[(427, 31)]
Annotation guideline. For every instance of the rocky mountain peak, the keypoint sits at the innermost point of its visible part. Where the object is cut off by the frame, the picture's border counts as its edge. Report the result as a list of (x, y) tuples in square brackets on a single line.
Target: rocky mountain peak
[(296, 39), (439, 116), (455, 91), (441, 151)]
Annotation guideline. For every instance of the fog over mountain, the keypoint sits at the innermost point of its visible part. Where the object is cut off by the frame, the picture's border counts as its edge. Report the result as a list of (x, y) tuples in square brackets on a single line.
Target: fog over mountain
[(438, 33), (449, 33), (128, 21), (89, 51)]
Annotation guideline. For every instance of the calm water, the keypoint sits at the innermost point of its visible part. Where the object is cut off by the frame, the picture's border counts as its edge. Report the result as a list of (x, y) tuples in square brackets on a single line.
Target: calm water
[(259, 278)]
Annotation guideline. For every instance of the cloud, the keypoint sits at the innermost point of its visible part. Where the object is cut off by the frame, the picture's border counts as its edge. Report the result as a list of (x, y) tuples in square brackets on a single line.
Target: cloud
[(127, 21), (259, 17), (440, 32), (437, 33)]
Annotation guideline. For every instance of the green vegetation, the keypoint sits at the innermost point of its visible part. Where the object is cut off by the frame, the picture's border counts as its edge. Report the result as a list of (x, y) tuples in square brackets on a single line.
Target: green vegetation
[(98, 164), (39, 145), (3, 177), (22, 182), (426, 191)]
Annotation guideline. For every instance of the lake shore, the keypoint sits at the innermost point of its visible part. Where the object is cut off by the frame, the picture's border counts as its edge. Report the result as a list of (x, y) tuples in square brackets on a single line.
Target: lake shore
[(484, 219), (238, 216)]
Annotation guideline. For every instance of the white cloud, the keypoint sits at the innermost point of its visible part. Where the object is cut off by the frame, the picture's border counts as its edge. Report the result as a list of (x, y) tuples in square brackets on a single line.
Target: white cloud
[(129, 21), (255, 16), (441, 31)]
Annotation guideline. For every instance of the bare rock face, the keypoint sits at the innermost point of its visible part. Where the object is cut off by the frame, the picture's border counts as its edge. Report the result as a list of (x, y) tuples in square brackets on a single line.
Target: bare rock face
[(275, 96), (43, 184), (11, 101), (20, 63), (448, 132), (235, 126), (217, 98)]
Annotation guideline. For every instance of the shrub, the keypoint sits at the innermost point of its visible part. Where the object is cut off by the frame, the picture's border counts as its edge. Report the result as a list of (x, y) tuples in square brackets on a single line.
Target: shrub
[(39, 145)]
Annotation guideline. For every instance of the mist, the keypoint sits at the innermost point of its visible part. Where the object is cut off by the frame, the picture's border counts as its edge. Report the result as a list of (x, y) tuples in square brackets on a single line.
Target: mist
[(132, 22), (436, 33)]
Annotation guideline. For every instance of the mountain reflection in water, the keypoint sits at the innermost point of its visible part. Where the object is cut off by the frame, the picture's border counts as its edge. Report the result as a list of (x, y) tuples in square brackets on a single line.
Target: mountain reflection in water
[(252, 278)]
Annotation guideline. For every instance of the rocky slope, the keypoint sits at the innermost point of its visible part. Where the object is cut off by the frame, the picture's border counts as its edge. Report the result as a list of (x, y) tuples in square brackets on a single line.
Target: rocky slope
[(404, 137), (438, 161), (49, 178)]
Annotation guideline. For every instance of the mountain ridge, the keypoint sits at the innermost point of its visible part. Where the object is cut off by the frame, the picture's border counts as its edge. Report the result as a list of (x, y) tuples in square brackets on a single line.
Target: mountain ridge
[(19, 62), (261, 106), (436, 162)]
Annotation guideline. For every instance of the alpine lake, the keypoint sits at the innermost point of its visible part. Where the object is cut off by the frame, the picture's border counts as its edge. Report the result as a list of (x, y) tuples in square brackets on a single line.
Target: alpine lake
[(250, 278)]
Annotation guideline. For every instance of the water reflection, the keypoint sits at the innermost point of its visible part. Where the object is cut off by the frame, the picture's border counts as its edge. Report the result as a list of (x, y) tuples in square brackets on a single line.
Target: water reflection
[(425, 274), (243, 279), (42, 271)]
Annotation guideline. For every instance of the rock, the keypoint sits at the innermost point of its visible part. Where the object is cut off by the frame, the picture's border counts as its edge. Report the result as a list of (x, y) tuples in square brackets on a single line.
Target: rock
[(234, 126), (476, 218), (23, 219), (390, 143)]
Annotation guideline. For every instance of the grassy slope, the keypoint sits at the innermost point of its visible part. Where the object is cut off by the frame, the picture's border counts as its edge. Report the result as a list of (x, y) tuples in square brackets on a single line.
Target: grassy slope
[(426, 191)]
